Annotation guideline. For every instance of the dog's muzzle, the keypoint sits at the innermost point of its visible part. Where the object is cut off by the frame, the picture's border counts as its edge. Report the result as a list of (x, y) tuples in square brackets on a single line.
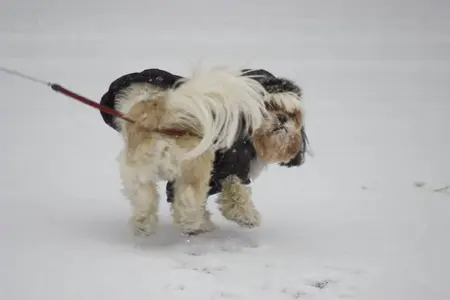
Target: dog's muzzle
[(279, 129)]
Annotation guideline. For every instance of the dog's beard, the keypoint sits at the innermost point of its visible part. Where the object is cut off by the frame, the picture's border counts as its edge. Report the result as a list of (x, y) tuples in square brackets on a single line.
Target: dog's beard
[(276, 141)]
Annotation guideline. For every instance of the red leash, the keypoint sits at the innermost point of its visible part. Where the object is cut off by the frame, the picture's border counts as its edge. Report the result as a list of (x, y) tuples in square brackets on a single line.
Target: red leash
[(58, 88)]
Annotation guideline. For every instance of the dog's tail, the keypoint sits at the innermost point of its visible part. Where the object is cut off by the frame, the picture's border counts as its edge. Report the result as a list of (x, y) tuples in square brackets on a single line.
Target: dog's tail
[(219, 104)]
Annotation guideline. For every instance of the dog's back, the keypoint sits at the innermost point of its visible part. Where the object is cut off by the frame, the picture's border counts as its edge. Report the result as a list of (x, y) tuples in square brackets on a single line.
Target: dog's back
[(157, 77)]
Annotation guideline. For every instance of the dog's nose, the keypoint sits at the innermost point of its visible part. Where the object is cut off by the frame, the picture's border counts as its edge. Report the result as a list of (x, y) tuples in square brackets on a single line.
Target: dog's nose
[(282, 118)]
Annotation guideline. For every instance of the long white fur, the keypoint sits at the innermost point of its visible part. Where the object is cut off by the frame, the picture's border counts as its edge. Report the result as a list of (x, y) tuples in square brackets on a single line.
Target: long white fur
[(216, 100)]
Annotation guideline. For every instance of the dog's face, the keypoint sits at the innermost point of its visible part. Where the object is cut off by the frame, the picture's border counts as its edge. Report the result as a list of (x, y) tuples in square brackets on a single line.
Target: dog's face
[(279, 139)]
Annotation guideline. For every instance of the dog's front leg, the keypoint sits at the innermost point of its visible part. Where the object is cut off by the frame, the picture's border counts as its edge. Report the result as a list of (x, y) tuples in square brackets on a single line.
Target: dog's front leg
[(236, 205), (190, 193)]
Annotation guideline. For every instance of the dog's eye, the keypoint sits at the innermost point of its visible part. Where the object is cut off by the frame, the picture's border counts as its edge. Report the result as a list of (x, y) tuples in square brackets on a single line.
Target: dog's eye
[(282, 118)]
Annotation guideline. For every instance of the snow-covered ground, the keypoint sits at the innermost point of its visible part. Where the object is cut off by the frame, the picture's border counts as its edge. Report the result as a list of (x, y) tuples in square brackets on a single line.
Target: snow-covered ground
[(367, 218)]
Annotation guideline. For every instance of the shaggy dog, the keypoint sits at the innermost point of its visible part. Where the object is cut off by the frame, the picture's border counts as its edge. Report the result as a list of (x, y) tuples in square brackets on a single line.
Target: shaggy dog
[(213, 109), (281, 139)]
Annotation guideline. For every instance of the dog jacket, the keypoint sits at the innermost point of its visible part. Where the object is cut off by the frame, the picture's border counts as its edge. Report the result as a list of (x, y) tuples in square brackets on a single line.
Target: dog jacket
[(234, 161)]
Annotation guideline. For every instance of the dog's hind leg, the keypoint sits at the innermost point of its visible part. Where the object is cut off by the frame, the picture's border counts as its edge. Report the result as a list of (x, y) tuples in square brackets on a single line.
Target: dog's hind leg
[(144, 199), (190, 193), (145, 202)]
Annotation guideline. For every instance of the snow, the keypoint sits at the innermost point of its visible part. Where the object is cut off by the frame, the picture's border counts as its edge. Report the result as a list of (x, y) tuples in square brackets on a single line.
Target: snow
[(366, 218)]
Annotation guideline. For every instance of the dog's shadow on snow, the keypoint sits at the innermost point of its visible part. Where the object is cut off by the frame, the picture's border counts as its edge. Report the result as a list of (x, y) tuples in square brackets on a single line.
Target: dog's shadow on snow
[(228, 237)]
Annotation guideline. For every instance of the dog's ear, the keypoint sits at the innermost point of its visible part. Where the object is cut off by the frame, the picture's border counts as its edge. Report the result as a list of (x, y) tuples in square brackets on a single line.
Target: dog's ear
[(299, 158), (282, 85), (294, 162)]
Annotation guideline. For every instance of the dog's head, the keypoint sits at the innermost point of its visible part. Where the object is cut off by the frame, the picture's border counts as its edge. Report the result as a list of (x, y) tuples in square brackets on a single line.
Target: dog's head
[(282, 138), (279, 138)]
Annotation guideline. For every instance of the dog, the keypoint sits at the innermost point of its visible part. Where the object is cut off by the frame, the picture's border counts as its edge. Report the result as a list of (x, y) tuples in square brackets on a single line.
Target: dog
[(212, 108), (281, 139)]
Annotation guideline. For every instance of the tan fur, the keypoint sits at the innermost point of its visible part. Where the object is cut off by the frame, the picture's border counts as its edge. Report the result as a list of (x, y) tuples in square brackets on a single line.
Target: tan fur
[(236, 205), (151, 156), (145, 212), (147, 115), (278, 146), (192, 186)]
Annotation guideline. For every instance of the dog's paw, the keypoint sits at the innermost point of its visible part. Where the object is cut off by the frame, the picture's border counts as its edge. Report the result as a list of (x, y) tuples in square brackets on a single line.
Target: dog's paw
[(192, 232), (193, 222), (244, 216), (196, 228), (248, 220), (144, 225)]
